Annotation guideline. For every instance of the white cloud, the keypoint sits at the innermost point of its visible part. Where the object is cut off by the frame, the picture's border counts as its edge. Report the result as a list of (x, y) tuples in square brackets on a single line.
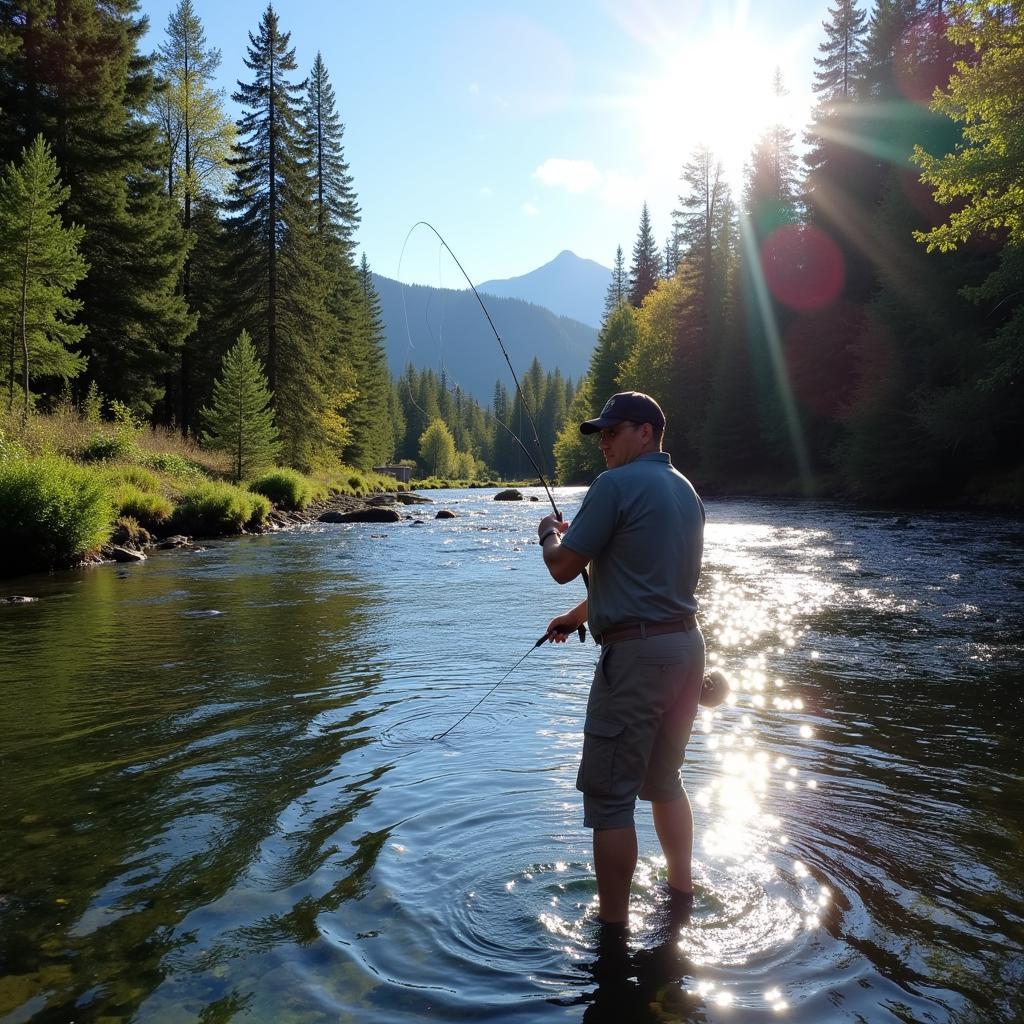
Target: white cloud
[(572, 175), (529, 209)]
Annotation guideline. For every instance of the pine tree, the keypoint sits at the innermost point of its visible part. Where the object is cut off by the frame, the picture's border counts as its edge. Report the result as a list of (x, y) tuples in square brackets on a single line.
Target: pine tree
[(771, 184), (373, 438), (618, 287), (337, 213), (240, 421), (284, 284), (197, 138), (39, 266), (643, 271), (78, 79), (841, 53)]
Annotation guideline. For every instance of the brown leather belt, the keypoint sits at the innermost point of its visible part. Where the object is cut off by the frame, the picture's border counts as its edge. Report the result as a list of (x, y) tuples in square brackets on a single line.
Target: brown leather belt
[(645, 629)]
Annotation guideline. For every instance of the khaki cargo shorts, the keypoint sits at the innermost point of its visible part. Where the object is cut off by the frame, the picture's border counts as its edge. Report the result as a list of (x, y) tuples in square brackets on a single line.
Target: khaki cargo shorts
[(643, 701)]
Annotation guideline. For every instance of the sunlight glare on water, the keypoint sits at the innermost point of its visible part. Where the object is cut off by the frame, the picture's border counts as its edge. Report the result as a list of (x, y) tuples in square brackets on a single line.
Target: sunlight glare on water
[(244, 816)]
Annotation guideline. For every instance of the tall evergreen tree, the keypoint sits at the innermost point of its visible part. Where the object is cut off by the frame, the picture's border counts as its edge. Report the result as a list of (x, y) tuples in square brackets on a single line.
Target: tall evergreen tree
[(197, 136), (372, 440), (284, 284), (337, 212), (771, 183), (39, 266), (643, 271), (618, 287), (268, 168), (78, 79), (240, 420), (838, 67)]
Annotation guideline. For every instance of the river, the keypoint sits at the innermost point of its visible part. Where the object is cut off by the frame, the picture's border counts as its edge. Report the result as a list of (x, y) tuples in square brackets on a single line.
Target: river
[(221, 799)]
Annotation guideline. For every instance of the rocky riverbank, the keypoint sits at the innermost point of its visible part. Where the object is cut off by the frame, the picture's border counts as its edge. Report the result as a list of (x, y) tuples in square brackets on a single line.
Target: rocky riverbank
[(338, 508)]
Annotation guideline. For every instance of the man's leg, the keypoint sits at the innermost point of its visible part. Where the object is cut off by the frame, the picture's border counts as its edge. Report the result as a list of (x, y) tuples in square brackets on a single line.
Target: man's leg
[(673, 822), (614, 863)]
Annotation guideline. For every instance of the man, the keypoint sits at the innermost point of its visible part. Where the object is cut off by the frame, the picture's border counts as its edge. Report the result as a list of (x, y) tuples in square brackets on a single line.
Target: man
[(641, 530)]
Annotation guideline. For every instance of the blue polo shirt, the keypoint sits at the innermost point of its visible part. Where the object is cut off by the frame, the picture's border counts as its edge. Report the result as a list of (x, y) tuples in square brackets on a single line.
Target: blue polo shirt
[(642, 527)]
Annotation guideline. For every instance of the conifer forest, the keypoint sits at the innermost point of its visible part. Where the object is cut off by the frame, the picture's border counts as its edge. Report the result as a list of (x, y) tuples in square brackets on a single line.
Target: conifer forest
[(850, 323)]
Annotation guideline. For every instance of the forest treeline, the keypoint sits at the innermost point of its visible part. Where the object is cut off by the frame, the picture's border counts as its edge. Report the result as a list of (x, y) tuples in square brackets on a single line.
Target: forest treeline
[(834, 329), (146, 232)]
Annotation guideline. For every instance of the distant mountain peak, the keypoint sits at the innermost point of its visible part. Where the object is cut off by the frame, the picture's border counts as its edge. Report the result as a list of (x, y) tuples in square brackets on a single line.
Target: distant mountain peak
[(567, 285)]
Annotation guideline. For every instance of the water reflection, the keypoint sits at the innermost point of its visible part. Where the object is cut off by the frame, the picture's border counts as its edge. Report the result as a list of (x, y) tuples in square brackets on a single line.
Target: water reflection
[(224, 801)]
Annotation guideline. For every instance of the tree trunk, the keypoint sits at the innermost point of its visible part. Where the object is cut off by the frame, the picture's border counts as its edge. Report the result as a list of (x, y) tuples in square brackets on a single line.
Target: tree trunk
[(24, 310)]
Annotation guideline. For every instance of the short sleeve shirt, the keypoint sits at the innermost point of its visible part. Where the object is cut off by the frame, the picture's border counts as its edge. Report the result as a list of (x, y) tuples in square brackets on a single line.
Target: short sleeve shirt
[(642, 527)]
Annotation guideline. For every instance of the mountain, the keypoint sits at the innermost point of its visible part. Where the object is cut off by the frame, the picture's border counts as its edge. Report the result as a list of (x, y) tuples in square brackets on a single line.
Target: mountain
[(568, 286), (439, 328)]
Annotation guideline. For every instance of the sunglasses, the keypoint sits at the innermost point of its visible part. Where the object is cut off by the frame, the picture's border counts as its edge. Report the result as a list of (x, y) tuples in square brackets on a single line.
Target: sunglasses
[(610, 433)]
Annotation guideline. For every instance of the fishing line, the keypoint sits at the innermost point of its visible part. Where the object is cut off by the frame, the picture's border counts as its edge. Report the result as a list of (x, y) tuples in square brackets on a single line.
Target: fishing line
[(546, 636), (522, 397)]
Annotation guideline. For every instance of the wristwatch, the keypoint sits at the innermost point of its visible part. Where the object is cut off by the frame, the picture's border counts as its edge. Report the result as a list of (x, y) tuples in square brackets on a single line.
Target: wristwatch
[(546, 535)]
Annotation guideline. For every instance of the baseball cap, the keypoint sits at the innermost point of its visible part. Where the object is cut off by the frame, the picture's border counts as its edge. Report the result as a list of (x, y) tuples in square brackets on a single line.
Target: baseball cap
[(626, 406)]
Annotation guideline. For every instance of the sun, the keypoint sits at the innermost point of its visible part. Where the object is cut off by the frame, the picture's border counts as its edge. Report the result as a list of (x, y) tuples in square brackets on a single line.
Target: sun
[(715, 89)]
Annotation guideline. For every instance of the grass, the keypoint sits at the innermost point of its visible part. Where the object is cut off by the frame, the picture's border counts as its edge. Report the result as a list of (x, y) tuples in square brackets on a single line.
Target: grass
[(69, 484), (213, 508), (288, 489), (51, 512)]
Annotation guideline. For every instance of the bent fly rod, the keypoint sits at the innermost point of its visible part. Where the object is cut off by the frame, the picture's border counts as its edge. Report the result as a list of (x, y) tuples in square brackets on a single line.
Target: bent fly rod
[(522, 397), (581, 630)]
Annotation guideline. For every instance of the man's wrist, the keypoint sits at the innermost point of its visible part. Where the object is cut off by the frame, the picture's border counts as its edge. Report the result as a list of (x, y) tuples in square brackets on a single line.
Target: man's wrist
[(550, 533)]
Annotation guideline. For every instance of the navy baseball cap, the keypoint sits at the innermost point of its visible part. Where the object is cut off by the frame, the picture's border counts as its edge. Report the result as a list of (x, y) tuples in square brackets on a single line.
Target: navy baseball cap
[(626, 407)]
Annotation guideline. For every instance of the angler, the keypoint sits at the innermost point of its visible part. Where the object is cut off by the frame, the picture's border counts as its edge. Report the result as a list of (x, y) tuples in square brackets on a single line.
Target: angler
[(640, 528)]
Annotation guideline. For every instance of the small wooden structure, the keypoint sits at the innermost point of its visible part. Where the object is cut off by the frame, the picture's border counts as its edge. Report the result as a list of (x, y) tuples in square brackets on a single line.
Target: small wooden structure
[(401, 473)]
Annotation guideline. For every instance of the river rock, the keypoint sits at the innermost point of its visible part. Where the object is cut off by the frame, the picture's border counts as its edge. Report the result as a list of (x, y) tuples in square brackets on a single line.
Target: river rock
[(362, 515), (408, 498), (381, 499), (510, 494), (445, 513), (18, 599), (119, 554), (179, 540)]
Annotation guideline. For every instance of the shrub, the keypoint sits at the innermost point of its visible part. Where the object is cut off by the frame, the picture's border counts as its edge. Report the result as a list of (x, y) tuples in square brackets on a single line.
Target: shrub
[(175, 465), (103, 448), (288, 489), (127, 531), (52, 512), (216, 508), (150, 509), (136, 476)]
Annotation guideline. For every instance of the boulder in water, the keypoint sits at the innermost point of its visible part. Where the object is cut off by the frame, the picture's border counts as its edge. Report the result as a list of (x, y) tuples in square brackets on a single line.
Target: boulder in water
[(445, 513), (362, 515), (509, 494)]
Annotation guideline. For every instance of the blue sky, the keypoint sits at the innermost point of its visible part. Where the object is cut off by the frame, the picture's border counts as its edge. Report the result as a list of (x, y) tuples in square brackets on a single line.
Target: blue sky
[(521, 129)]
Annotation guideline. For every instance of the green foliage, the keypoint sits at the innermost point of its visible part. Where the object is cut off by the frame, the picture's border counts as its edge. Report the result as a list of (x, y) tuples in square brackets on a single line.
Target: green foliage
[(39, 267), (437, 449), (151, 510), (52, 512), (92, 404), (288, 489), (646, 265), (90, 89), (110, 448), (211, 509), (239, 421), (135, 476), (173, 464), (984, 176)]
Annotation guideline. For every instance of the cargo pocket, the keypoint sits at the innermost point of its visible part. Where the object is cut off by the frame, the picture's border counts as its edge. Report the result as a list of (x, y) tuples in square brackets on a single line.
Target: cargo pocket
[(597, 766)]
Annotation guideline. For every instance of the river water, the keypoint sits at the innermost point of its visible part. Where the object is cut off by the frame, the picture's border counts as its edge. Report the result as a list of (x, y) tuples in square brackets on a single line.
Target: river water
[(221, 800)]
